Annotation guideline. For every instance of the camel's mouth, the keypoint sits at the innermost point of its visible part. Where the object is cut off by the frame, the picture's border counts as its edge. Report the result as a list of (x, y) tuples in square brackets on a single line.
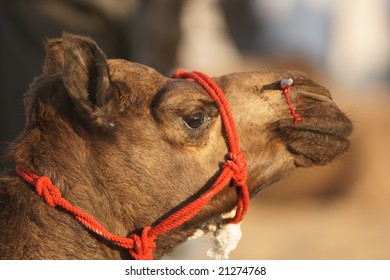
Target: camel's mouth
[(315, 142)]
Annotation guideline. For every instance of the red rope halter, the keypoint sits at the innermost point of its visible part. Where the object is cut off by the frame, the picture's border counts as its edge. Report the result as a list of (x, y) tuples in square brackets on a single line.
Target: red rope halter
[(141, 247)]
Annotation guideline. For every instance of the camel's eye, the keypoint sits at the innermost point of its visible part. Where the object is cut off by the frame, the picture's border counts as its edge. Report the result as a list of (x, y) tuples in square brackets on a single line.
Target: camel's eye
[(195, 120)]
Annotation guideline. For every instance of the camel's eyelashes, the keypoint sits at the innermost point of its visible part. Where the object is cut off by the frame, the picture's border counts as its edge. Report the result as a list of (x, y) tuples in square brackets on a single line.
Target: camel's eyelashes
[(195, 120)]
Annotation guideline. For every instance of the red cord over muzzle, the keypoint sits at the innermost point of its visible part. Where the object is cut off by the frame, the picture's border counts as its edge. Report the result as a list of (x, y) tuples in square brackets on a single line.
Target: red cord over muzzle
[(141, 247)]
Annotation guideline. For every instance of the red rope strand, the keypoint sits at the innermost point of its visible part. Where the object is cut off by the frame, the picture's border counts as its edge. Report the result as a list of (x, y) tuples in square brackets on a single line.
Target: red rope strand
[(141, 247), (286, 92)]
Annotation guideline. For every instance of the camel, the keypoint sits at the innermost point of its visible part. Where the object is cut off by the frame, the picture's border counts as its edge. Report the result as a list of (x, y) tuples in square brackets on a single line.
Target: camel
[(130, 147)]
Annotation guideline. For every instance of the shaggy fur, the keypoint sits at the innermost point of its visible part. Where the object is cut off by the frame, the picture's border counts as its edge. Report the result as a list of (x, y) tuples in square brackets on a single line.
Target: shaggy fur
[(115, 137)]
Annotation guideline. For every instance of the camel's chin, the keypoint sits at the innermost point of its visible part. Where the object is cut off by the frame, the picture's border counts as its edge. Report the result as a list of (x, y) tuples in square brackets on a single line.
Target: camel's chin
[(259, 189), (257, 186)]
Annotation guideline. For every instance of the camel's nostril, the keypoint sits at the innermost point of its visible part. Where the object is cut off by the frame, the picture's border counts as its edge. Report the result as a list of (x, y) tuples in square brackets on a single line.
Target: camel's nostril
[(307, 85), (273, 86)]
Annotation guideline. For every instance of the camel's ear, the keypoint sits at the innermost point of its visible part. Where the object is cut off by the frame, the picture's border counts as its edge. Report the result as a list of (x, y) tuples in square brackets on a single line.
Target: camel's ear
[(54, 61), (85, 76)]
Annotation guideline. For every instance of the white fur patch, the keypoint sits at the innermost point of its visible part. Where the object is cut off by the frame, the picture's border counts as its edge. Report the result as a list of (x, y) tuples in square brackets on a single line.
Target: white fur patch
[(226, 240), (225, 237)]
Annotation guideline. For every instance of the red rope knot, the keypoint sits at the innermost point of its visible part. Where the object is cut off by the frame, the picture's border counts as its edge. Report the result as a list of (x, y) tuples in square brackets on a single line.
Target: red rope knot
[(45, 188), (238, 164), (143, 245)]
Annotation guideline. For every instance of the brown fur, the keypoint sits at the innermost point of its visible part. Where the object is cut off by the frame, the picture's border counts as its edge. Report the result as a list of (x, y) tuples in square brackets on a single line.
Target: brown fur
[(112, 136)]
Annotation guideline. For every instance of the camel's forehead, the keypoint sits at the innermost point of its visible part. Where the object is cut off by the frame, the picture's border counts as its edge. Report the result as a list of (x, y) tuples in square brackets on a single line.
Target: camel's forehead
[(144, 80)]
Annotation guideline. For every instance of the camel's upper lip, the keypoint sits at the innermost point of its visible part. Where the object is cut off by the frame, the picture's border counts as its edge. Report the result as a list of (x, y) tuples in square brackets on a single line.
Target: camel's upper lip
[(336, 125), (336, 131), (314, 144)]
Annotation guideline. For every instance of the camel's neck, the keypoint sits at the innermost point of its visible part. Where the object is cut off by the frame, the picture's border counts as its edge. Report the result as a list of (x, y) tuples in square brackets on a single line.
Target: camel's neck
[(76, 169)]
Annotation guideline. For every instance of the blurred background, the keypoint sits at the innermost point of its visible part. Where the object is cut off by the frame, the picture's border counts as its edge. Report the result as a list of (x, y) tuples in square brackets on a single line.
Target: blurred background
[(340, 211)]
